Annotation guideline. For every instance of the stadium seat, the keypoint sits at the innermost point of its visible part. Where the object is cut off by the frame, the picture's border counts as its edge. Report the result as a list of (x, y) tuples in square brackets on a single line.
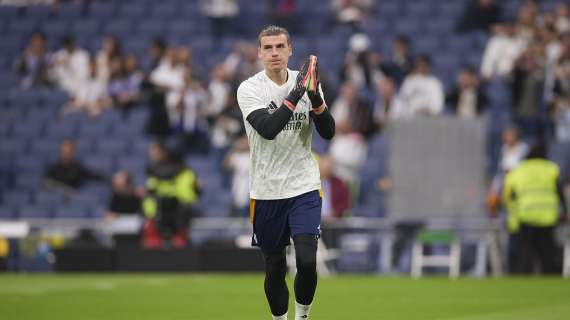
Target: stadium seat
[(86, 28), (133, 11), (118, 28), (22, 27), (7, 212), (419, 9), (85, 199), (13, 146), (133, 164), (29, 180), (60, 130), (38, 12), (69, 11), (54, 29), (21, 130), (100, 163), (102, 10), (112, 147), (44, 147), (34, 211), (67, 212), (49, 199), (16, 198)]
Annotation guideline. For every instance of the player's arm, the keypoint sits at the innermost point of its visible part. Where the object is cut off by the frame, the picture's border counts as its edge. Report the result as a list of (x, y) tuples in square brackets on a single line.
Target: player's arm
[(324, 121), (269, 125)]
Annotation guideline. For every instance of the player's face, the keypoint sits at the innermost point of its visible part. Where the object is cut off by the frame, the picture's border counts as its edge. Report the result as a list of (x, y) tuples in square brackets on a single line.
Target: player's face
[(274, 52)]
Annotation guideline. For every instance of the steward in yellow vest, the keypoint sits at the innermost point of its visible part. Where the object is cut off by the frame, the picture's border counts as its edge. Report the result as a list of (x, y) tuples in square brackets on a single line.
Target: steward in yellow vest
[(172, 191), (533, 196)]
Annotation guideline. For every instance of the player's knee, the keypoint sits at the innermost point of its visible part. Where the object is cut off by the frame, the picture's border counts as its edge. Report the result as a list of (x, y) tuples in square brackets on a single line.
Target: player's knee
[(275, 264), (306, 253)]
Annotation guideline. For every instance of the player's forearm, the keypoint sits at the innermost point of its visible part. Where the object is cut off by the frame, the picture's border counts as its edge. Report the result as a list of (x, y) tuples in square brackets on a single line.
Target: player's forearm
[(324, 123), (269, 125)]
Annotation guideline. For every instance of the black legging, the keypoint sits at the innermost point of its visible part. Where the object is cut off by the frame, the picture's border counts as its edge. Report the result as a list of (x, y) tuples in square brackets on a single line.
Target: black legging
[(305, 285)]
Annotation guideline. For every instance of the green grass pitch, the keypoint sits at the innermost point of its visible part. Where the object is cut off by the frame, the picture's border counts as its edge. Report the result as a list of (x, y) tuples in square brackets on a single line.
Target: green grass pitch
[(236, 297)]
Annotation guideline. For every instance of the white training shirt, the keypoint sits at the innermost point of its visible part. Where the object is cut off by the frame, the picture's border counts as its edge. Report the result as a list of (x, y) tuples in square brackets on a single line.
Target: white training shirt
[(283, 167)]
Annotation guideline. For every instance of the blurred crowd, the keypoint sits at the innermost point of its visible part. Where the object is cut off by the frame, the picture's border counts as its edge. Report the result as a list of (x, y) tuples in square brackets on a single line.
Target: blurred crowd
[(194, 110)]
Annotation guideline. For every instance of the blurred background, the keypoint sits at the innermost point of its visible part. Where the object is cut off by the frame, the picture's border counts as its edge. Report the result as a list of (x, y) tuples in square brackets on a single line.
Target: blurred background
[(122, 146)]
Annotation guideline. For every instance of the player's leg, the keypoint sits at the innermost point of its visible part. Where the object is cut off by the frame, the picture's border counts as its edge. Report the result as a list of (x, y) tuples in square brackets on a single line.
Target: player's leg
[(306, 277), (276, 289), (304, 222), (271, 234)]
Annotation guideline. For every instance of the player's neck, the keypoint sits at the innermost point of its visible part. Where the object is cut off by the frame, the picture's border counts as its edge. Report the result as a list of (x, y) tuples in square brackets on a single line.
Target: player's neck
[(279, 77)]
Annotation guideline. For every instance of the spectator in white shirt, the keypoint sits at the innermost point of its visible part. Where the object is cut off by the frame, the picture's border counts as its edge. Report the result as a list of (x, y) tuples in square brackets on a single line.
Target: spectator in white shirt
[(218, 92), (501, 52), (70, 66), (90, 95), (421, 93), (237, 162)]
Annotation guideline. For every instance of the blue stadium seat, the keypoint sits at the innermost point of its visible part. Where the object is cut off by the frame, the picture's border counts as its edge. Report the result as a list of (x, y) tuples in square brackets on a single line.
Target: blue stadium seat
[(135, 45), (7, 212), (74, 212), (419, 9), (86, 28), (83, 199), (459, 45), (112, 147), (53, 98), (165, 10), (13, 146), (201, 163), (407, 26), (34, 211), (427, 44), (451, 8), (29, 180), (102, 10), (36, 164), (22, 27), (119, 28), (69, 11), (102, 164), (24, 98), (61, 129), (134, 164), (49, 199), (441, 26), (5, 129), (8, 12), (95, 129), (44, 146), (23, 131), (16, 198), (151, 28), (390, 8), (38, 12), (133, 11)]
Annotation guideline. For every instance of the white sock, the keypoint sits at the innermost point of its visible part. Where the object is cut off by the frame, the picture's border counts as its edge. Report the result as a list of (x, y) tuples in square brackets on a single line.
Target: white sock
[(302, 311), (283, 317)]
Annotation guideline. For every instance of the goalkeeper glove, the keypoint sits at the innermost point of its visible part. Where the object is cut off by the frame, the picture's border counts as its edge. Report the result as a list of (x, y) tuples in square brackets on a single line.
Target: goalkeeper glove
[(314, 92), (300, 87)]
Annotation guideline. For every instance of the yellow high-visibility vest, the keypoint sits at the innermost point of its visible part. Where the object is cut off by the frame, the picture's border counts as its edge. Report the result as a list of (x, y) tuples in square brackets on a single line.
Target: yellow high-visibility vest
[(181, 187), (530, 194)]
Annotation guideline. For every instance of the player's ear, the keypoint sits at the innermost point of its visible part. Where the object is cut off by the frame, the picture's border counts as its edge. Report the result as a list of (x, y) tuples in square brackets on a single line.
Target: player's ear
[(259, 52), (290, 50)]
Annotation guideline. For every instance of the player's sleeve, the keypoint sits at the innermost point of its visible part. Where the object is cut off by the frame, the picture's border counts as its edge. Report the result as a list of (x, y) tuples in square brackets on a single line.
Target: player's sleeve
[(266, 124), (324, 121), (248, 99)]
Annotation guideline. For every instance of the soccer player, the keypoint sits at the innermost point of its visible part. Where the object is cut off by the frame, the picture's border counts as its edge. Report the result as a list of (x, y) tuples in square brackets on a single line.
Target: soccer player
[(279, 107)]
